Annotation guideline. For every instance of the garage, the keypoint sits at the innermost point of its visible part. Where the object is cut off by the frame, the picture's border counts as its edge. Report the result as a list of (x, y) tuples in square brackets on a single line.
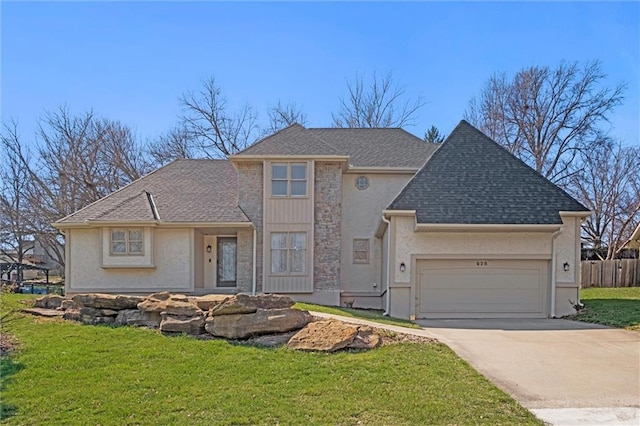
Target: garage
[(470, 288)]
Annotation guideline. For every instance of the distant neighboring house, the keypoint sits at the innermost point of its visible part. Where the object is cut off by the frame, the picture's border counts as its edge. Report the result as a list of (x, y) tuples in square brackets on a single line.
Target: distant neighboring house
[(379, 217)]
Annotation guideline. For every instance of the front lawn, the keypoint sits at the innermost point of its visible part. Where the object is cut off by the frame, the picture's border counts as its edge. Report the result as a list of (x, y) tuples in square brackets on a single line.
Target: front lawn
[(67, 373), (616, 307), (366, 314)]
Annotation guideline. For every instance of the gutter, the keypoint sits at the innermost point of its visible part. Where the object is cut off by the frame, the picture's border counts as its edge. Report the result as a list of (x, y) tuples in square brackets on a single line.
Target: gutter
[(554, 263), (388, 303)]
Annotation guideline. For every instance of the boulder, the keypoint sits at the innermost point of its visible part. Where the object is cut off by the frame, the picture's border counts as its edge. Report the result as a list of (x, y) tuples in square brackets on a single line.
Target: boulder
[(248, 304), (177, 304), (263, 321), (51, 301), (89, 320), (138, 318), (72, 314), (68, 304), (107, 301), (93, 312), (193, 325), (207, 302), (366, 339), (181, 307), (325, 336)]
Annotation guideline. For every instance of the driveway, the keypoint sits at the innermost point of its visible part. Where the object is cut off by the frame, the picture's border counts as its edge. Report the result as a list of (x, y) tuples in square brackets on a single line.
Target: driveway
[(566, 372)]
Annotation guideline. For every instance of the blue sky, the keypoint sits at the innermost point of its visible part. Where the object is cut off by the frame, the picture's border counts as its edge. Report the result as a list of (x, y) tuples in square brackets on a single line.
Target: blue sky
[(131, 60)]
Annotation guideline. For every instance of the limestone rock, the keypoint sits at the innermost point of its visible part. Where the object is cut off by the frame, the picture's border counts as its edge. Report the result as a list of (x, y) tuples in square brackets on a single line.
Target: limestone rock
[(263, 321), (177, 304), (72, 314), (107, 301), (51, 301), (174, 306), (93, 312), (365, 339), (208, 301), (248, 304), (68, 304), (193, 325), (326, 336), (138, 318)]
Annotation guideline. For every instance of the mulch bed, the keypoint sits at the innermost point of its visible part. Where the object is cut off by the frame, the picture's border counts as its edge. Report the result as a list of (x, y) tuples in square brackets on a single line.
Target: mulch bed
[(8, 343)]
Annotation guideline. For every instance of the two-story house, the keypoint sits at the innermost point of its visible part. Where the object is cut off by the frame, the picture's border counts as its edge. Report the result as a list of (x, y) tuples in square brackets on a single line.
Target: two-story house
[(376, 217)]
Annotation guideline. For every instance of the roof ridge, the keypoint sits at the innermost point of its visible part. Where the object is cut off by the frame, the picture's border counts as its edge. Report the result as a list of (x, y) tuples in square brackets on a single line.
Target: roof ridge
[(259, 141), (123, 202)]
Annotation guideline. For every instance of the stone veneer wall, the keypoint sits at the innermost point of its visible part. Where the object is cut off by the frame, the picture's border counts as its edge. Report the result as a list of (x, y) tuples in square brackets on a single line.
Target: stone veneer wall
[(328, 216), (250, 200), (244, 273)]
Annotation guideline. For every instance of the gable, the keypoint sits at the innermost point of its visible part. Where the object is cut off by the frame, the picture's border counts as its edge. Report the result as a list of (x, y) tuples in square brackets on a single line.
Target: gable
[(473, 180)]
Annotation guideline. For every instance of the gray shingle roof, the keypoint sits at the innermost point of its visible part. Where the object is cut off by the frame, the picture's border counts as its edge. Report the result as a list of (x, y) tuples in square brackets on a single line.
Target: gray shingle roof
[(473, 180), (183, 191), (374, 147)]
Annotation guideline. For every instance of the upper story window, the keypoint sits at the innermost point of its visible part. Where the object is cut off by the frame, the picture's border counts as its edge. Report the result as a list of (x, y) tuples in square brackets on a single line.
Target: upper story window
[(127, 241), (289, 179)]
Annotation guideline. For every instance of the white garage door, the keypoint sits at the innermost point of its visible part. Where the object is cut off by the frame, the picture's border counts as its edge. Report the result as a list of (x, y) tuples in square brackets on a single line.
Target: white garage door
[(482, 288)]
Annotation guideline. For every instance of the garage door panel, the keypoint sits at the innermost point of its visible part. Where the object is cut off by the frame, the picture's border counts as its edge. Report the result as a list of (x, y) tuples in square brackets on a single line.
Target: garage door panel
[(494, 287)]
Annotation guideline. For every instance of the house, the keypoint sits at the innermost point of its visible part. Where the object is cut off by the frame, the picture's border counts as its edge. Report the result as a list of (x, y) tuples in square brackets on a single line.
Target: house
[(376, 217)]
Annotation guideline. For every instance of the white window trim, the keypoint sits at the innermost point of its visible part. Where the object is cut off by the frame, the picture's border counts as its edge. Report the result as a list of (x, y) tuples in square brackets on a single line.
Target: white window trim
[(288, 273), (126, 241), (289, 179)]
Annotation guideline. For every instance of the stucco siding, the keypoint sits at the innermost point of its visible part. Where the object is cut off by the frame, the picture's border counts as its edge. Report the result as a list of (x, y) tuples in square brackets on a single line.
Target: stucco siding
[(361, 214), (173, 251), (455, 244)]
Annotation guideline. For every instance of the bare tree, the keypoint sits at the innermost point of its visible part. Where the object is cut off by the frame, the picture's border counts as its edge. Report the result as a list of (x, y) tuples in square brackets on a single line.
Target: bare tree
[(16, 233), (283, 115), (433, 135), (174, 144), (547, 116), (217, 131), (609, 185), (378, 103)]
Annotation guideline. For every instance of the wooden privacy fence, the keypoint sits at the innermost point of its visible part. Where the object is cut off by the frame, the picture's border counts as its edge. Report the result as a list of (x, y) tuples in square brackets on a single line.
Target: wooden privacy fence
[(610, 273)]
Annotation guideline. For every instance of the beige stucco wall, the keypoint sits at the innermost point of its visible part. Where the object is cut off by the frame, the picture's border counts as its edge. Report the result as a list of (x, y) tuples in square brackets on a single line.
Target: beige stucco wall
[(172, 268), (408, 246), (361, 214)]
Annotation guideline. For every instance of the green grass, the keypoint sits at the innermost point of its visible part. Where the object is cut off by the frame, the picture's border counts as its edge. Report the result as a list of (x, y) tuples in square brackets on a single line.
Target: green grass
[(616, 307), (67, 373), (366, 314)]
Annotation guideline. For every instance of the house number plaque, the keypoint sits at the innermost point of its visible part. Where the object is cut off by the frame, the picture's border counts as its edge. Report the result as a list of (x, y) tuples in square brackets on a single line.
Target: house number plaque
[(481, 263)]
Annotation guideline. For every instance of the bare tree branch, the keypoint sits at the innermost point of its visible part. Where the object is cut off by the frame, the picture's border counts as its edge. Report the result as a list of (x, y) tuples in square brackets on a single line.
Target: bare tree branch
[(377, 104), (283, 115)]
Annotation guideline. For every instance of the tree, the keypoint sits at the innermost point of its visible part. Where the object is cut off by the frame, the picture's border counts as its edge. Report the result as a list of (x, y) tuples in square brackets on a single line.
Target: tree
[(217, 131), (433, 135), (609, 185), (81, 158), (545, 116), (15, 226), (283, 115), (174, 144), (378, 103)]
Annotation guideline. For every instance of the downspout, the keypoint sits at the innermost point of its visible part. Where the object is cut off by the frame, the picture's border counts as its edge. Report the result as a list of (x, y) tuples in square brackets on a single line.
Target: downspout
[(255, 240), (553, 272), (388, 303)]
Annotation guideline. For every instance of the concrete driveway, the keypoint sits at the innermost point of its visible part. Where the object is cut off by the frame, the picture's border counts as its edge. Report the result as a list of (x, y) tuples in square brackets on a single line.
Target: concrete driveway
[(566, 372)]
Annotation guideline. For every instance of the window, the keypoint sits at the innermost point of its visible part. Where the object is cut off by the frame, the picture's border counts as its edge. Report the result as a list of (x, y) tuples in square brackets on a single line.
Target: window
[(127, 241), (289, 179), (288, 252), (360, 250), (362, 182)]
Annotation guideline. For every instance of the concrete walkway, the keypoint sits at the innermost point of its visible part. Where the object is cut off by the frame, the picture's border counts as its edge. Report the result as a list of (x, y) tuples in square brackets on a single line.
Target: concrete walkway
[(565, 372)]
